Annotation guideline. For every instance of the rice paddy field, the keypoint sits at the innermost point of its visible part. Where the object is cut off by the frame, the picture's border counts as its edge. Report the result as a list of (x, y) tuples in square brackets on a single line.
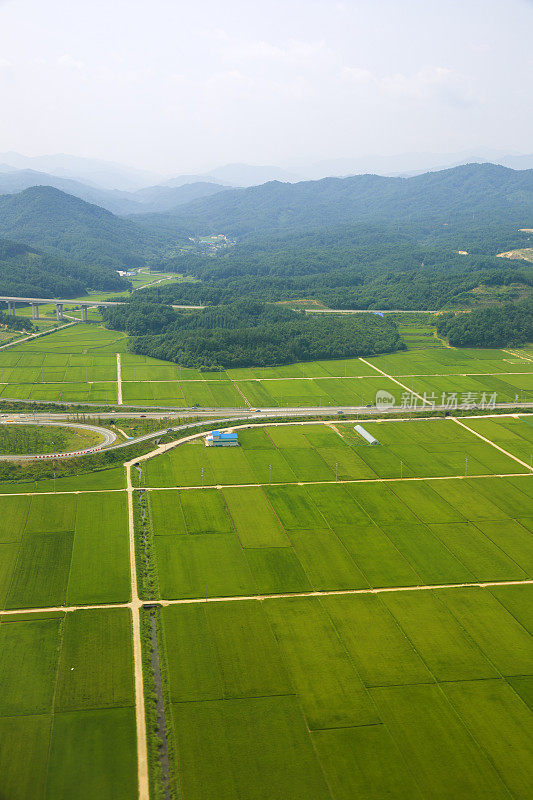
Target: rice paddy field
[(67, 716), (63, 549), (349, 649), (78, 364), (332, 620)]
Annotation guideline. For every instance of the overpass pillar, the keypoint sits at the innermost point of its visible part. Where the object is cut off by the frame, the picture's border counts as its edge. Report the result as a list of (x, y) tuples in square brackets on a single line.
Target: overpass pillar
[(59, 310), (35, 310), (11, 308), (84, 313)]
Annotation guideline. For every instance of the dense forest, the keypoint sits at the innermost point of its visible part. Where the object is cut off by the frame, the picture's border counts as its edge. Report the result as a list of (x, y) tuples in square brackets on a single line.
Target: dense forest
[(28, 272), (422, 243), (247, 333), (47, 218), (507, 325), (416, 267)]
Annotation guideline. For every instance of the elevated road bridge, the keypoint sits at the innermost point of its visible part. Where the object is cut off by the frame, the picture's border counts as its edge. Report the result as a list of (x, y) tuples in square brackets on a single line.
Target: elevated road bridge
[(35, 302)]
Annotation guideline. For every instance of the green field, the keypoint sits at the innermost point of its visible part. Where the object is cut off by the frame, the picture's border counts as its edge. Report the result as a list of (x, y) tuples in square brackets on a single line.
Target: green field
[(63, 549), (321, 452), (245, 534), (67, 721), (78, 364), (346, 697), (314, 638)]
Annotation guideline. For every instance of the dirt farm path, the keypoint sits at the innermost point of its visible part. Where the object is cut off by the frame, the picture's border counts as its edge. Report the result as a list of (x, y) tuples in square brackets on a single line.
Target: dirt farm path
[(119, 381)]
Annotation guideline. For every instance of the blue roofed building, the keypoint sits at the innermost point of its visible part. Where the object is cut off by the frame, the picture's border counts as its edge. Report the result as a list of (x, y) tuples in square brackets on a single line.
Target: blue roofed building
[(222, 439)]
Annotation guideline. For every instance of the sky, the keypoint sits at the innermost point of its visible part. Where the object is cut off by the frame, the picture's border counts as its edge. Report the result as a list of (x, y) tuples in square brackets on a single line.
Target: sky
[(179, 86)]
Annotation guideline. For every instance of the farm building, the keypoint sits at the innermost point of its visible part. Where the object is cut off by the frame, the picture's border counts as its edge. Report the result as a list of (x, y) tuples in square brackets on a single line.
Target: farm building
[(221, 439), (365, 434)]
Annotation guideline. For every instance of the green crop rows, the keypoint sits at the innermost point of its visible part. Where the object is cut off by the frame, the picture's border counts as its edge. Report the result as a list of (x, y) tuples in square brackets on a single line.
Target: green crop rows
[(78, 364), (67, 721), (318, 452), (274, 688), (401, 696), (58, 549)]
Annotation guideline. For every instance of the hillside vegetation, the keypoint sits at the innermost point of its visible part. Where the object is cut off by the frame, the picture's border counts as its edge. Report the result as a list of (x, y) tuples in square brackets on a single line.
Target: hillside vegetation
[(485, 190), (48, 218), (28, 272)]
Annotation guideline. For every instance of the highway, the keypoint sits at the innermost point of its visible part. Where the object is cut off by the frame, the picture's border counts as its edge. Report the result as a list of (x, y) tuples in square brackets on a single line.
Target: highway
[(223, 418), (166, 412)]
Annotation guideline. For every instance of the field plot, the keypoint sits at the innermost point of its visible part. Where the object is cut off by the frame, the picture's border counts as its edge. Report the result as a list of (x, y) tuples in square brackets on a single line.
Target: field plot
[(309, 697), (73, 364), (320, 452), (514, 434), (310, 532), (64, 549), (78, 364), (460, 372), (76, 740)]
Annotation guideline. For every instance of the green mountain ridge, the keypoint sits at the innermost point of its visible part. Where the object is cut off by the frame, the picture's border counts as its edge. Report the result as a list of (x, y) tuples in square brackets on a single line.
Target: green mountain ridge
[(48, 218), (482, 190)]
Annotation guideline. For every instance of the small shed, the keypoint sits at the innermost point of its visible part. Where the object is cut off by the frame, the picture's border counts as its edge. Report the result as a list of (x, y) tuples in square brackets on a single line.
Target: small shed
[(365, 434), (222, 439)]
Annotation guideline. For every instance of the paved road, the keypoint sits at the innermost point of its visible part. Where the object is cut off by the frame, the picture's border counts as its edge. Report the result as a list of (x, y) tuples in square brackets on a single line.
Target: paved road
[(222, 420), (366, 311), (108, 438)]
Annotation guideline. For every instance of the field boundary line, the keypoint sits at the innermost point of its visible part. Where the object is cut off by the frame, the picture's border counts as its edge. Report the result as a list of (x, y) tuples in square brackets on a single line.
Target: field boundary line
[(385, 375), (517, 355), (119, 381), (6, 612), (72, 491), (278, 595), (247, 402), (136, 604), (329, 592), (497, 446), (332, 482)]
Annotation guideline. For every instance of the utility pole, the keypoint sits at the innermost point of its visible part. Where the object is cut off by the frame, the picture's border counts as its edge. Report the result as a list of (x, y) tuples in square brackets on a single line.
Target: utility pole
[(270, 473)]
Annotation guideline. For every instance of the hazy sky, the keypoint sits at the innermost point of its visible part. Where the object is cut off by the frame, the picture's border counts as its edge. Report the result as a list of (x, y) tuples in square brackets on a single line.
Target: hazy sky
[(185, 85)]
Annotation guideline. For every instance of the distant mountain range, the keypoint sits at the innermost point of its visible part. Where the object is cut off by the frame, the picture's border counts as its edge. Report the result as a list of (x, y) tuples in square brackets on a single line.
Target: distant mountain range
[(55, 220), (150, 199), (238, 175), (489, 191), (102, 174), (114, 177)]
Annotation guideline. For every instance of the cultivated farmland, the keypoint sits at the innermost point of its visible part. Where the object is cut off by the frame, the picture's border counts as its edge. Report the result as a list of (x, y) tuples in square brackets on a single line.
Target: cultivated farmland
[(325, 618)]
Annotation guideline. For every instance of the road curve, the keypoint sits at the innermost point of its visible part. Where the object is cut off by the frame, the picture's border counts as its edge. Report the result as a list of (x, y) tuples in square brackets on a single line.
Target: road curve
[(108, 439)]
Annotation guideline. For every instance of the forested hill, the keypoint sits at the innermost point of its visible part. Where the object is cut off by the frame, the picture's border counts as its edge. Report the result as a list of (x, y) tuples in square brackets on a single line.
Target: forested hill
[(485, 191), (48, 218), (28, 272), (247, 333)]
